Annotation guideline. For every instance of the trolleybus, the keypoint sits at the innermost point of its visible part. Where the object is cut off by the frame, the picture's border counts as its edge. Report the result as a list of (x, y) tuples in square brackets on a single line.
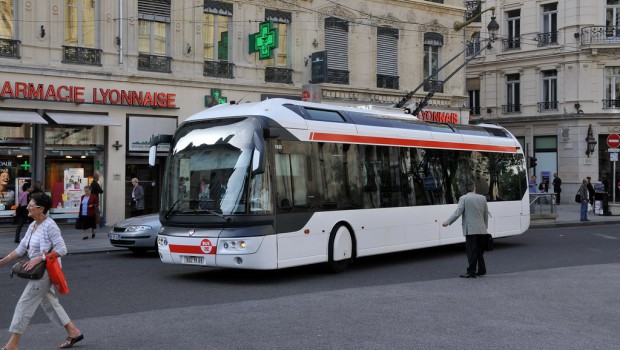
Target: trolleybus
[(283, 183)]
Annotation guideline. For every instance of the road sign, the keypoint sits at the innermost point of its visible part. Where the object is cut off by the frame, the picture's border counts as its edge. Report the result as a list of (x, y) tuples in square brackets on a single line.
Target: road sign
[(613, 140), (613, 157), (610, 150)]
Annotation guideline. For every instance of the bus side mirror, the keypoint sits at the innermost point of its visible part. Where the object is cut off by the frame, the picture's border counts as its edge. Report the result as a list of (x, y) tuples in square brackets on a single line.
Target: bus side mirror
[(258, 157), (159, 139)]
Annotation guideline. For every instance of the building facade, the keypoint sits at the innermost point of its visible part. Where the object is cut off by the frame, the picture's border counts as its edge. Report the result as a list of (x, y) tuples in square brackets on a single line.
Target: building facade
[(553, 79), (86, 83)]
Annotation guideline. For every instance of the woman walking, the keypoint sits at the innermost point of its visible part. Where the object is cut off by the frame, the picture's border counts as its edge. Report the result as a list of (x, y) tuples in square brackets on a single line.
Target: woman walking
[(43, 234), (89, 204)]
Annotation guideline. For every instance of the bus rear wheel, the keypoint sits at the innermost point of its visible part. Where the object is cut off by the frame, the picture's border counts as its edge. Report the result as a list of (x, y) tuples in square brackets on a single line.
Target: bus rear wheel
[(340, 249)]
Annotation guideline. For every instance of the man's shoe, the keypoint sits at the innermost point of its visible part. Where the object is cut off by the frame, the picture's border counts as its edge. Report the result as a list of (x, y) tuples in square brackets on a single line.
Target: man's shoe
[(469, 275)]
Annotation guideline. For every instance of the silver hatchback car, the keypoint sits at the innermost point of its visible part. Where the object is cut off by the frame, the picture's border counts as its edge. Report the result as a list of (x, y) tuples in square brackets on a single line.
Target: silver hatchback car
[(139, 233)]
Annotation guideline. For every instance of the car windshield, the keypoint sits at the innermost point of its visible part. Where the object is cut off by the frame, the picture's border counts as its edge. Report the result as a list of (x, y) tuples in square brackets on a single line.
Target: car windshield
[(209, 167)]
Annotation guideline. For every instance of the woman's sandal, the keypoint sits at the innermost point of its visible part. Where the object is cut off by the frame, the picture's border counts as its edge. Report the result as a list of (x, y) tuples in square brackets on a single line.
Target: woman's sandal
[(71, 341)]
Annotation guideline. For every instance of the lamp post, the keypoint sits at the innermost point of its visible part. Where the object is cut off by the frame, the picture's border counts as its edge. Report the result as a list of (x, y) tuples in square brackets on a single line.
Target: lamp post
[(492, 29), (591, 142)]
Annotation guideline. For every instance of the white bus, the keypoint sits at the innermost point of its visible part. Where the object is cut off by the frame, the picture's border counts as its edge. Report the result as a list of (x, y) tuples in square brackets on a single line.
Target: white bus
[(284, 183)]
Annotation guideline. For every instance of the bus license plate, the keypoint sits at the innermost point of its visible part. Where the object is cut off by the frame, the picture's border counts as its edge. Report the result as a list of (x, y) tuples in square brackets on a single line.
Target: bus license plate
[(194, 259)]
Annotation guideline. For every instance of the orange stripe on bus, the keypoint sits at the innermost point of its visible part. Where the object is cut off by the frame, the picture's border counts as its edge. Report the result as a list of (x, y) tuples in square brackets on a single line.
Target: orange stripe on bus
[(188, 249), (374, 140)]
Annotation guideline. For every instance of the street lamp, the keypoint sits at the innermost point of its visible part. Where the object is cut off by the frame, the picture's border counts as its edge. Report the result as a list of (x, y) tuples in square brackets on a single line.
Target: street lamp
[(591, 142), (493, 27)]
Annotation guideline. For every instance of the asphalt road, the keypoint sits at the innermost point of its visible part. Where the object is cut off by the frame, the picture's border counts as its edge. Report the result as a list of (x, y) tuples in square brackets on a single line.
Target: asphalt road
[(546, 289)]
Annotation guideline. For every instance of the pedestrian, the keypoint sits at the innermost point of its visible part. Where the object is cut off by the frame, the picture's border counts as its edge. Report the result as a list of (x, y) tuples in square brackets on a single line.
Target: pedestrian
[(89, 204), (533, 184), (38, 187), (473, 208), (43, 234), (583, 193), (137, 198), (95, 188), (591, 192), (21, 213), (557, 187)]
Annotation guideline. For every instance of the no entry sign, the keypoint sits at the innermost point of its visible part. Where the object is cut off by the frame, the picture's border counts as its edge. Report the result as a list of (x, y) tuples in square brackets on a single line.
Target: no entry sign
[(613, 141)]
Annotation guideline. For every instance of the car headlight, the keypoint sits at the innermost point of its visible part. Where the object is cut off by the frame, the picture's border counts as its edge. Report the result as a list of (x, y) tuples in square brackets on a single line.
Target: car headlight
[(133, 228)]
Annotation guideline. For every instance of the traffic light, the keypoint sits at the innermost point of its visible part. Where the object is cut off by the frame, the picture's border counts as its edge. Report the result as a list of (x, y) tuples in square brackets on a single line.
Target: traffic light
[(533, 162)]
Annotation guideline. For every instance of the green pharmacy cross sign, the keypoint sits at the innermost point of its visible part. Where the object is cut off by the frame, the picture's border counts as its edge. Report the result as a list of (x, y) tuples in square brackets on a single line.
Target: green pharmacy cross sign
[(25, 165), (264, 41), (216, 98)]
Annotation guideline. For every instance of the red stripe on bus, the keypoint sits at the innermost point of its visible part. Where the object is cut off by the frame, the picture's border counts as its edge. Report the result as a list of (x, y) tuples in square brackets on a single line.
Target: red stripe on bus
[(188, 249), (374, 140)]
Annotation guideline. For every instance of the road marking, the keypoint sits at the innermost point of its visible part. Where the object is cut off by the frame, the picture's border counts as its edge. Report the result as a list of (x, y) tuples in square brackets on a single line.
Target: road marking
[(605, 236)]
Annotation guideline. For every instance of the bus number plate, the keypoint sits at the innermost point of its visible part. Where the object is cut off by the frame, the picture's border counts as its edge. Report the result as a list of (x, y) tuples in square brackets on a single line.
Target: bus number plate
[(194, 259)]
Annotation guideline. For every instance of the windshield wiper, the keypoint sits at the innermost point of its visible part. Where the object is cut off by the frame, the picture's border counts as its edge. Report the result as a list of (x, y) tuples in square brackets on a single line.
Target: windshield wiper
[(172, 207)]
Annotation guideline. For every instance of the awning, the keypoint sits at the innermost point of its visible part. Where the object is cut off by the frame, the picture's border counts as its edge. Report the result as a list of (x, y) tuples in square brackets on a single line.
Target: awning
[(82, 119), (20, 117)]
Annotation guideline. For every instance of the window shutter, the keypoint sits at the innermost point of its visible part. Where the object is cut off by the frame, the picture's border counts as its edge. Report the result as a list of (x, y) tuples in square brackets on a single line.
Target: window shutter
[(387, 51), (337, 43), (154, 10)]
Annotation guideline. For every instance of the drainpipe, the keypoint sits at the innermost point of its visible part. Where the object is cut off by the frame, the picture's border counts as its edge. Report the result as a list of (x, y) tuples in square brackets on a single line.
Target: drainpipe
[(120, 31)]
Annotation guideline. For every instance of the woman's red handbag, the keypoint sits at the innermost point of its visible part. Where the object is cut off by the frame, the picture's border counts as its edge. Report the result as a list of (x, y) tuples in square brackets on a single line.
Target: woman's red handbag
[(55, 273)]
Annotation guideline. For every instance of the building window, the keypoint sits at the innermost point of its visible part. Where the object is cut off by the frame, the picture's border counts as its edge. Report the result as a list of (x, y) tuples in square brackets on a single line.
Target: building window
[(513, 99), (432, 54), (217, 47), (387, 58), (612, 19), (549, 33), (279, 66), (550, 91), (514, 31), (153, 33), (337, 47), (473, 46), (9, 47), (80, 19), (612, 87), (474, 102)]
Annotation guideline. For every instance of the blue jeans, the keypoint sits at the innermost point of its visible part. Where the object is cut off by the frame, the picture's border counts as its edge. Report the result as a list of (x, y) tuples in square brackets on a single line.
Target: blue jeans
[(584, 210)]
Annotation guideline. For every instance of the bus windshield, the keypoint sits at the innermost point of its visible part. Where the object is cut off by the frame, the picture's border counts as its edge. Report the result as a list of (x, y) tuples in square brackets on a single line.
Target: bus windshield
[(209, 170)]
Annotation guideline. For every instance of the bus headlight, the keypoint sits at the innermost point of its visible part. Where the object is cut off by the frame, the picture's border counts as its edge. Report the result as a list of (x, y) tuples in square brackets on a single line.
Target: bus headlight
[(246, 245), (236, 245), (162, 241)]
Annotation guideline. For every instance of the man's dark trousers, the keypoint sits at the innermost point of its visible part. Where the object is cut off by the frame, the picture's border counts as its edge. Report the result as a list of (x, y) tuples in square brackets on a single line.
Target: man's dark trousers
[(474, 245)]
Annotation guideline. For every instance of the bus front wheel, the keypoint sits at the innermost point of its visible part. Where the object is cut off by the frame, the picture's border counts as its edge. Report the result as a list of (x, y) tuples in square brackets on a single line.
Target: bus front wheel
[(340, 249)]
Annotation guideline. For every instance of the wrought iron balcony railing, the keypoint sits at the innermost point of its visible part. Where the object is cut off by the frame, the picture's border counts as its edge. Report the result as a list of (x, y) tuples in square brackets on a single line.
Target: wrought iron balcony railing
[(546, 39), (153, 63), (335, 76), (278, 75), (511, 44), (10, 48), (435, 85), (473, 8), (81, 55), (607, 104), (387, 81), (512, 108), (548, 106), (218, 69), (472, 48), (600, 35)]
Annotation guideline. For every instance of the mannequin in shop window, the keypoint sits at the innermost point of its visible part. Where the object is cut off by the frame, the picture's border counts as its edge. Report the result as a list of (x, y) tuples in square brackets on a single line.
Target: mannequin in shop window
[(7, 195)]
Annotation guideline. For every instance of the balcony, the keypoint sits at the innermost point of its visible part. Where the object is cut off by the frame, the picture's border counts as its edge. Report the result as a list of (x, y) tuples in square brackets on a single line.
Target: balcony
[(217, 69), (600, 35), (435, 85), (81, 55), (278, 75), (511, 44), (547, 106), (512, 108), (10, 48), (472, 48), (546, 39), (387, 82), (608, 104), (153, 63), (472, 9), (335, 76)]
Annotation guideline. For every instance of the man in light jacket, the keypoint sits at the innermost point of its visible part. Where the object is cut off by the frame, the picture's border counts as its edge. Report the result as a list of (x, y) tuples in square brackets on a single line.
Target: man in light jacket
[(473, 208)]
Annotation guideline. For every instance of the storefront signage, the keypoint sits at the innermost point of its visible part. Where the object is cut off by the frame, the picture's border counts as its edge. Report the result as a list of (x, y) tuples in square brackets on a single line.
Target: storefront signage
[(439, 116), (78, 94), (265, 41)]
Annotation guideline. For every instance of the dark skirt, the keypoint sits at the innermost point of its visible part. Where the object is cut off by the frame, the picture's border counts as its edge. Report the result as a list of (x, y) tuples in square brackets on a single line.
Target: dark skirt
[(86, 222)]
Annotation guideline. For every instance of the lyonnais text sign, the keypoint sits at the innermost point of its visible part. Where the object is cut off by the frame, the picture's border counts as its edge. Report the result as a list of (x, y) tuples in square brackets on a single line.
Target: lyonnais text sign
[(439, 116), (79, 94)]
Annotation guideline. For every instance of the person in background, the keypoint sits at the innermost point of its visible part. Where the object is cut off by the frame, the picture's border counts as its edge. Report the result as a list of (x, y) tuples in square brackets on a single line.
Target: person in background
[(473, 207), (42, 234), (532, 184), (89, 204), (557, 187), (95, 188), (38, 187), (583, 192), (591, 192), (7, 195), (182, 188), (137, 198), (21, 213)]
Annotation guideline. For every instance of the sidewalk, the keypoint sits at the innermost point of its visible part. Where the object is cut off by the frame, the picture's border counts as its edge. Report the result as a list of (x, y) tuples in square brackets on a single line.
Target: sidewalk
[(568, 215)]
